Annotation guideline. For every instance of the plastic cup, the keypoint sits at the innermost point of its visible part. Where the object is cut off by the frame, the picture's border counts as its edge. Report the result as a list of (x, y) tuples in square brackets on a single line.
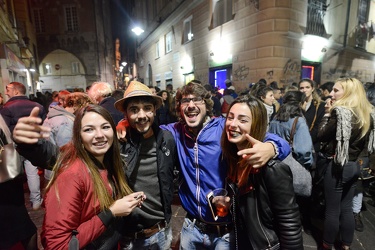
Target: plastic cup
[(219, 202)]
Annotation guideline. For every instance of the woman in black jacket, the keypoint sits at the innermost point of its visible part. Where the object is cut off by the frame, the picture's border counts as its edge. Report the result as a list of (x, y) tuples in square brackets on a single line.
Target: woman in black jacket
[(264, 209)]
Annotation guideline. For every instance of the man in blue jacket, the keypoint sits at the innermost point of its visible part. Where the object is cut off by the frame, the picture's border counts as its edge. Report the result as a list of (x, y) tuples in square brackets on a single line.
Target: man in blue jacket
[(203, 169)]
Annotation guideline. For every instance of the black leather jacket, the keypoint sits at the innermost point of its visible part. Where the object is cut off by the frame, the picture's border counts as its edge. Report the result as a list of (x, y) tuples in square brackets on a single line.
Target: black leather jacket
[(166, 161), (266, 216)]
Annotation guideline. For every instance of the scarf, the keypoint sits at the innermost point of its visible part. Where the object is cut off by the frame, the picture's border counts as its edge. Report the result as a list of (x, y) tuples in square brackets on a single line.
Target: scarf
[(371, 140), (343, 133)]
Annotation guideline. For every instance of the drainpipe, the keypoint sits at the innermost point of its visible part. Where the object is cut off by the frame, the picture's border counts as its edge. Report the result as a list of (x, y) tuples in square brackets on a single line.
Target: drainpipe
[(347, 24)]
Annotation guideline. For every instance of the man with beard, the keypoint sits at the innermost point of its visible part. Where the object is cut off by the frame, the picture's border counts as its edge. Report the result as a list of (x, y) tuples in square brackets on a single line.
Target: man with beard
[(150, 156), (203, 169), (199, 153)]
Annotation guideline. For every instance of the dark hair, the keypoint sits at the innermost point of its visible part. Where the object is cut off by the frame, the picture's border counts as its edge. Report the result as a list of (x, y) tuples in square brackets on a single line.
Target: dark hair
[(258, 130), (139, 99), (112, 161), (328, 86), (262, 91), (195, 89), (291, 106)]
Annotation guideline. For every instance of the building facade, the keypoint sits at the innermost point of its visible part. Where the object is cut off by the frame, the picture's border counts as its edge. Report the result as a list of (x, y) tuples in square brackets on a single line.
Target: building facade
[(245, 40), (75, 44), (18, 50)]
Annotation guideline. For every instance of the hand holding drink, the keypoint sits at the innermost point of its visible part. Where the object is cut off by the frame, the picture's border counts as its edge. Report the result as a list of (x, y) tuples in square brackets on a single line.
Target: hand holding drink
[(221, 201)]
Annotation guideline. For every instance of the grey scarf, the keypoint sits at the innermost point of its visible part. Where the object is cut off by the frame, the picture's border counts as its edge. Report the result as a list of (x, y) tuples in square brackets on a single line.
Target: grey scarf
[(371, 140), (343, 133)]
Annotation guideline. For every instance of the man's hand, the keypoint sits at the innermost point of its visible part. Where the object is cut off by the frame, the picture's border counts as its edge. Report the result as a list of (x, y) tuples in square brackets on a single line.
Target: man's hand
[(259, 154), (28, 129)]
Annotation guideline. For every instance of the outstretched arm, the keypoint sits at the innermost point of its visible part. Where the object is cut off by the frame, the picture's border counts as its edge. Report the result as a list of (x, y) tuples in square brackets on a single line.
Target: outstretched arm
[(261, 152), (30, 136)]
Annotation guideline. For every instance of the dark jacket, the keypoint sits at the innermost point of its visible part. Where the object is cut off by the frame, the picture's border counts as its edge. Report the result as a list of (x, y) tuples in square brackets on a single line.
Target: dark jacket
[(327, 135), (314, 114), (109, 104), (17, 107), (266, 214), (166, 160)]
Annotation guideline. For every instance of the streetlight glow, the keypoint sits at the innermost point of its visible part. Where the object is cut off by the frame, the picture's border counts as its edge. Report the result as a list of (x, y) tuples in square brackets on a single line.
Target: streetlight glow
[(138, 31), (123, 64)]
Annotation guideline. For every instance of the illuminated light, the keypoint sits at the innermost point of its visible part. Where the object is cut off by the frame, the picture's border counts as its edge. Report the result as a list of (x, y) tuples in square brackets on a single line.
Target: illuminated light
[(47, 66), (32, 70), (190, 36), (124, 64), (138, 31), (220, 52), (311, 70), (314, 48), (186, 65)]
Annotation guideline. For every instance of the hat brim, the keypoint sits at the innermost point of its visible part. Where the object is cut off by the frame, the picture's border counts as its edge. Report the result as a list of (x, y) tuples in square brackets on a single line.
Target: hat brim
[(119, 105)]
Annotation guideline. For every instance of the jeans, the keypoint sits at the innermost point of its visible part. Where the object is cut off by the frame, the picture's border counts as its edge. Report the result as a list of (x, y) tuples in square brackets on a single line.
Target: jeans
[(191, 238), (357, 201), (339, 194), (33, 182), (161, 240)]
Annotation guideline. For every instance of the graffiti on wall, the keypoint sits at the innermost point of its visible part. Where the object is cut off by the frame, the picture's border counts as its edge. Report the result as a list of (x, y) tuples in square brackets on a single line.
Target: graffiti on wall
[(333, 74), (291, 72), (241, 73), (270, 75)]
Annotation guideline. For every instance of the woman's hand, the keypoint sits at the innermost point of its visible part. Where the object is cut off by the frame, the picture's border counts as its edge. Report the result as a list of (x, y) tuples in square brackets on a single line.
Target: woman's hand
[(125, 205), (259, 154), (121, 129)]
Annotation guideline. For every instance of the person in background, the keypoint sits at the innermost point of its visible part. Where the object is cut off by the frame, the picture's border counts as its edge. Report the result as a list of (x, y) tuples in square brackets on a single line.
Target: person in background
[(228, 85), (303, 148), (326, 89), (163, 113), (88, 192), (16, 107), (61, 118), (265, 94), (101, 94), (217, 105), (55, 99), (118, 94), (153, 90), (203, 169), (313, 109), (264, 209), (345, 126), (16, 227)]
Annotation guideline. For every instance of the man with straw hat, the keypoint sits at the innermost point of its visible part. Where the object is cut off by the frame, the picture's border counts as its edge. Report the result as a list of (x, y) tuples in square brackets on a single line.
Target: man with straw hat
[(150, 156)]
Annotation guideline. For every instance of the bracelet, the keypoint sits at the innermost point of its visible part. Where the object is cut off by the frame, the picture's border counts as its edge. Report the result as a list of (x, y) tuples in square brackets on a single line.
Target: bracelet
[(275, 148)]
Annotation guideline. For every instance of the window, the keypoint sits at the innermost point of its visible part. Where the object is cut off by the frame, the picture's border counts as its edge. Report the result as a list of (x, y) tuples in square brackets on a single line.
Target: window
[(71, 18), (40, 26), (75, 68), (157, 49), (188, 33), (47, 68), (221, 12), (11, 12), (168, 42)]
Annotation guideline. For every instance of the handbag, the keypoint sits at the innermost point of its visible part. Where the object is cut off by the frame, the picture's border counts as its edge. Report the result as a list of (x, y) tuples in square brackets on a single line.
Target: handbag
[(302, 180), (10, 163)]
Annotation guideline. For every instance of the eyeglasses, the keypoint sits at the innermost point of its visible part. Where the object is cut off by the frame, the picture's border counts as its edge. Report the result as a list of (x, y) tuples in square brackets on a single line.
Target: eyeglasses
[(197, 100)]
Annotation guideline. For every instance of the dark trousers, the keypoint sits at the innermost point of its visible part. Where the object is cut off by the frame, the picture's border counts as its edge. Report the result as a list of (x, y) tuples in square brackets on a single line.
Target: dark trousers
[(339, 191)]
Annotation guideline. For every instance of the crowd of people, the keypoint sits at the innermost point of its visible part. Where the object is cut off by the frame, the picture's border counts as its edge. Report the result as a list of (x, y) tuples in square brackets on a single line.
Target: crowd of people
[(111, 158)]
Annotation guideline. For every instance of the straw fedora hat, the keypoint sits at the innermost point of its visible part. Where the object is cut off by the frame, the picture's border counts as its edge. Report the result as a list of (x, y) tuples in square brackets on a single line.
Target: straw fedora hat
[(137, 89)]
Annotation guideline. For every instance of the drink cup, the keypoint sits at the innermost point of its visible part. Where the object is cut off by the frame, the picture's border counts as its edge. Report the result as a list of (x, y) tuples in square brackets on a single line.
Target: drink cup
[(222, 207)]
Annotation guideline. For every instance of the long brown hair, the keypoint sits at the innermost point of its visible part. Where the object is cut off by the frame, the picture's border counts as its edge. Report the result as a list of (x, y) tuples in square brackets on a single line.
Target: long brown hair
[(112, 161), (258, 131)]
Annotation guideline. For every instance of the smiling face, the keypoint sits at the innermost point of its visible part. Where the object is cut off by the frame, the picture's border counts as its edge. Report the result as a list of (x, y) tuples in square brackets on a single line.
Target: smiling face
[(140, 116), (238, 124), (306, 88), (193, 111), (97, 135), (337, 92)]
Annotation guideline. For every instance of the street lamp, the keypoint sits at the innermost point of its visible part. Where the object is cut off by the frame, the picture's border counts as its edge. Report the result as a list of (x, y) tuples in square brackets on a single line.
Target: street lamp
[(137, 30)]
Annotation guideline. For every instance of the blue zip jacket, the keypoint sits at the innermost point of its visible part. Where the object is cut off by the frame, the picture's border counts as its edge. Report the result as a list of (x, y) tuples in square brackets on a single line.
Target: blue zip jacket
[(202, 166)]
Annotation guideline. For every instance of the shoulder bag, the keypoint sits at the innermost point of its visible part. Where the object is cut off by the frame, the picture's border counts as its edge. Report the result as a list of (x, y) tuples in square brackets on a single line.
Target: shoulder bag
[(10, 163), (302, 181)]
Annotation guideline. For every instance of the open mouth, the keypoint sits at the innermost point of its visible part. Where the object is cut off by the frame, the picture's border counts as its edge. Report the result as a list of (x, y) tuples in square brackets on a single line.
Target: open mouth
[(100, 144), (234, 134)]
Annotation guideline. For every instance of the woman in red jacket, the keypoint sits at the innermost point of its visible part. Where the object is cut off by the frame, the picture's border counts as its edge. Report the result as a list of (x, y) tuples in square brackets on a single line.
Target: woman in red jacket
[(88, 193)]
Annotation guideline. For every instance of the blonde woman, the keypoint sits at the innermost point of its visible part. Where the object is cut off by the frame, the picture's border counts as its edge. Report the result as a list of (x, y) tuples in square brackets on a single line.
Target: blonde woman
[(345, 127)]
